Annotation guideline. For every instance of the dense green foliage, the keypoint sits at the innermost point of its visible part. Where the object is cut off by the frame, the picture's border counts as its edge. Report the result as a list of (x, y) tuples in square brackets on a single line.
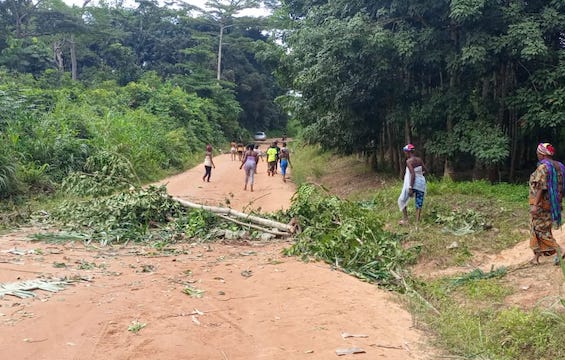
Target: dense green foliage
[(143, 84), (122, 217), (135, 132), (146, 215), (473, 83)]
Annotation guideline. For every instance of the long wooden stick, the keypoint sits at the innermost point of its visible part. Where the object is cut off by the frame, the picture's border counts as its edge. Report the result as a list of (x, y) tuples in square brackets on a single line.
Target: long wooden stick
[(231, 212), (257, 227)]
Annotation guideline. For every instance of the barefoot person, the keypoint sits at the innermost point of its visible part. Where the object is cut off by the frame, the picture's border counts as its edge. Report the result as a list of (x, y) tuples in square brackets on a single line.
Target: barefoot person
[(414, 184), (284, 158), (259, 155), (249, 163), (546, 193), (208, 163)]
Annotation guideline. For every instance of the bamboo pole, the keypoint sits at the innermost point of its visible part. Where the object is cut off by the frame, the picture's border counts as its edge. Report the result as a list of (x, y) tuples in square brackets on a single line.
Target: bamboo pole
[(231, 212)]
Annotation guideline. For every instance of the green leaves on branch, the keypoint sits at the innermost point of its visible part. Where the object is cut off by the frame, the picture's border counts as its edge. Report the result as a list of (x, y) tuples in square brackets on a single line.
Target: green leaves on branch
[(121, 217), (345, 235), (105, 173), (485, 142)]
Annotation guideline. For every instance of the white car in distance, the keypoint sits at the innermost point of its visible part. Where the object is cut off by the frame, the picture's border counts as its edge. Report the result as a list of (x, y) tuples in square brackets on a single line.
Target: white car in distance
[(260, 136)]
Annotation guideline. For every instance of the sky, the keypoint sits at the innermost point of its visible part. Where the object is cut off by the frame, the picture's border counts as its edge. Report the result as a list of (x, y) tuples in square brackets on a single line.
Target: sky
[(199, 3)]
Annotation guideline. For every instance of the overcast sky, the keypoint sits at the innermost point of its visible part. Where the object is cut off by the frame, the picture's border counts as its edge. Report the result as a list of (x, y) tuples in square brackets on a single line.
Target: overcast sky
[(199, 3)]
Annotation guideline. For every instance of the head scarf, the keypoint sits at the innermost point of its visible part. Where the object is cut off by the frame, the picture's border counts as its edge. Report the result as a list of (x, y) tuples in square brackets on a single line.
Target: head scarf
[(545, 149), (553, 181), (408, 148)]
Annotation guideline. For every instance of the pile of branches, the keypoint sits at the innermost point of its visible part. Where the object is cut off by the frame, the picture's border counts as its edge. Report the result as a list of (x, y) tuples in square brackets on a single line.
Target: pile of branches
[(346, 235), (150, 215)]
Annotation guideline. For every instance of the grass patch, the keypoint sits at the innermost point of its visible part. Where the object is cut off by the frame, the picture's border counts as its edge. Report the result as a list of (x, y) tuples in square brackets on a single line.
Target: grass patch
[(460, 219), (308, 162), (491, 331)]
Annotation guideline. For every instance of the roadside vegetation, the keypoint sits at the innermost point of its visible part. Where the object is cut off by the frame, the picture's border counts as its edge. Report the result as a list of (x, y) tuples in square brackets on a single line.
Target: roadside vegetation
[(467, 312)]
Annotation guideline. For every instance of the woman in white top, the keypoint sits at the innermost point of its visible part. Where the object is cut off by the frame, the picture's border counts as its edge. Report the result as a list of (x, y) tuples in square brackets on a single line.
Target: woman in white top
[(414, 184), (208, 163)]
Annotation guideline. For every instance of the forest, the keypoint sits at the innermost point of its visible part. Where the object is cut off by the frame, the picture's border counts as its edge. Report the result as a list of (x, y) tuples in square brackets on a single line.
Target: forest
[(474, 84), (136, 91)]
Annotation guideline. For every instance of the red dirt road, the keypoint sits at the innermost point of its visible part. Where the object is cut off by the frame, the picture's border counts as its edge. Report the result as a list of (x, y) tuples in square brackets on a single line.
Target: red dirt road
[(226, 185), (255, 303)]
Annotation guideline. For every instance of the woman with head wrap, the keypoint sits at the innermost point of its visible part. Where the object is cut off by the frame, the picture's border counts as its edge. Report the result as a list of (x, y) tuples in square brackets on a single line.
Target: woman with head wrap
[(546, 193), (414, 184)]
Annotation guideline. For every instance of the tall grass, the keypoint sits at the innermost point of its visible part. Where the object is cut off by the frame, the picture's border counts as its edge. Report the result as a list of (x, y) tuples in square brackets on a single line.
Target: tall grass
[(309, 162)]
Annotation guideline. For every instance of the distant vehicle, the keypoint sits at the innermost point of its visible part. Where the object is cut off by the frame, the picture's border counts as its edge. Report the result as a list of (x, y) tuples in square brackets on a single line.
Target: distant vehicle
[(260, 136)]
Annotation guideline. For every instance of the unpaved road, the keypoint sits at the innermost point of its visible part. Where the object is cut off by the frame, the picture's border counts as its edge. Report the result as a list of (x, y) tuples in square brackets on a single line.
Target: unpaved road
[(255, 303), (226, 187)]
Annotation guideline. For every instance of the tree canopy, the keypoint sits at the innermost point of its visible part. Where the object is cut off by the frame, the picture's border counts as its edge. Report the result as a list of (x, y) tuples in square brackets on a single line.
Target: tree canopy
[(474, 83)]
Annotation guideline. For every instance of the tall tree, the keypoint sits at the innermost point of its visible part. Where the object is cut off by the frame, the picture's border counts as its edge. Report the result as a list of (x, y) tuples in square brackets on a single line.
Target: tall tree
[(222, 12)]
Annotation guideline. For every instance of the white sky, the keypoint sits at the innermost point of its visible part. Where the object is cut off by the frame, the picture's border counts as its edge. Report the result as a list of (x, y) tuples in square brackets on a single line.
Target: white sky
[(199, 3)]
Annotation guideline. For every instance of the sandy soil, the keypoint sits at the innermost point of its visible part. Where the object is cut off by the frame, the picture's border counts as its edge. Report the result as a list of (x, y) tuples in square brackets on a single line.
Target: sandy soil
[(254, 303)]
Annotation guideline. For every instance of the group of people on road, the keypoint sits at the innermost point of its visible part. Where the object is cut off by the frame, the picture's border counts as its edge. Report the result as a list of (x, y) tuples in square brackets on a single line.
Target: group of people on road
[(249, 157), (275, 156)]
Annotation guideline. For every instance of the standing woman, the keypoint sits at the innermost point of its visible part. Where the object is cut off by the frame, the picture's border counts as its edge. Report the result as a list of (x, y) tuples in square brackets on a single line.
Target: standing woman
[(208, 163), (240, 149), (250, 159), (414, 184), (546, 193)]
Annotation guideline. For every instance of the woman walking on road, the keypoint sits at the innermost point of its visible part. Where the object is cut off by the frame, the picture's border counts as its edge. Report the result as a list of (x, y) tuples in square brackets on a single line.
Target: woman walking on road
[(249, 163), (284, 157), (208, 163), (272, 159), (233, 149), (546, 192)]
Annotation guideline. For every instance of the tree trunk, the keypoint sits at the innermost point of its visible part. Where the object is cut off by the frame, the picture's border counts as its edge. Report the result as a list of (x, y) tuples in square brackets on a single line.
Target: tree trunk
[(382, 150), (231, 212), (407, 132), (58, 55), (73, 58), (448, 165), (219, 70)]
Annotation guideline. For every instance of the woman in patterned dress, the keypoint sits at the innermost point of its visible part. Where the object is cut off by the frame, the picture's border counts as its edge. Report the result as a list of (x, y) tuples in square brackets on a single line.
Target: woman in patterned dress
[(546, 193)]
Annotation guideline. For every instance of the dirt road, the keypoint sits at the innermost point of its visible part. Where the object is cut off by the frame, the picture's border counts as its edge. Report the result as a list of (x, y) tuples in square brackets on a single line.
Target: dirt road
[(238, 300), (226, 187)]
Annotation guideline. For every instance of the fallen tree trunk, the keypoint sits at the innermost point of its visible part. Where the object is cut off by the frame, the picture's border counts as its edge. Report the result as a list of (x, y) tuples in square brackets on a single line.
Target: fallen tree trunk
[(231, 212), (256, 227)]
